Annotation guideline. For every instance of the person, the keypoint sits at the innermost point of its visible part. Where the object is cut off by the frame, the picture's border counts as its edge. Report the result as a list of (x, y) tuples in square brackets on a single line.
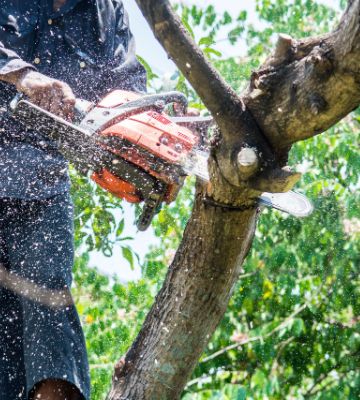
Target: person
[(52, 51)]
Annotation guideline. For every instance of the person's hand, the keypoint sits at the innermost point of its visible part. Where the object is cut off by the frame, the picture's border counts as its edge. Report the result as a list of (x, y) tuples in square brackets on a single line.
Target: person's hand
[(50, 94)]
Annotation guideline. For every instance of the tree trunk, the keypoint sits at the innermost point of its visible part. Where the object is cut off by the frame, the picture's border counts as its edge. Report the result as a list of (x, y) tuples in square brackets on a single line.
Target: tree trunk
[(190, 304), (304, 88)]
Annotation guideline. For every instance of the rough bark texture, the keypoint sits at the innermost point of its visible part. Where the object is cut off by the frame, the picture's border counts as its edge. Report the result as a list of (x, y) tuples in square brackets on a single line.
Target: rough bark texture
[(303, 89), (189, 306), (309, 87)]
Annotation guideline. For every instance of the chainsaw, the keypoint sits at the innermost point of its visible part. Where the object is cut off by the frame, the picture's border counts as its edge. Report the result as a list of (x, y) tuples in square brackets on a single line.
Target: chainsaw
[(134, 150)]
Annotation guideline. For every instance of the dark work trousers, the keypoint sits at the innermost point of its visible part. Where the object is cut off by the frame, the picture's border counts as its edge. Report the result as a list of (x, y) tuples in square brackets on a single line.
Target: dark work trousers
[(40, 333)]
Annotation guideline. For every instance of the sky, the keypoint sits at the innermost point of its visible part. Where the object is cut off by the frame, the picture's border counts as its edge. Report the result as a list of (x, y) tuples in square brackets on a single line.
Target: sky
[(153, 53)]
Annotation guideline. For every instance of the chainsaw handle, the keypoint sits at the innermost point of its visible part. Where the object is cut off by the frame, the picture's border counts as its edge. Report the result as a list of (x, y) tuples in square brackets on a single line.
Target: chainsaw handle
[(81, 108), (100, 118), (158, 100)]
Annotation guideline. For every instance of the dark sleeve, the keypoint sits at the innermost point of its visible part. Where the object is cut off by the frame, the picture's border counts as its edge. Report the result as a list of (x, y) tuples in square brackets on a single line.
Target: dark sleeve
[(126, 71), (11, 62)]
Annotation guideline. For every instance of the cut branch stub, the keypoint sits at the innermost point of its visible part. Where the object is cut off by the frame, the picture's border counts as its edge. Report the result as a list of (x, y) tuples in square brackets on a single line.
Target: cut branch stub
[(242, 152), (238, 160), (283, 50), (248, 162)]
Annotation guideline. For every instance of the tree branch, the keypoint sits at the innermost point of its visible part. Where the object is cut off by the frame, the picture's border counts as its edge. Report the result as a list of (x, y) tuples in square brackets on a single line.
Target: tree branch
[(306, 89), (217, 95), (189, 306)]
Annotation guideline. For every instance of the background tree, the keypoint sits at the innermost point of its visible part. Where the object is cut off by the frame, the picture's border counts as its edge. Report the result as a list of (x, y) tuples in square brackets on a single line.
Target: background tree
[(291, 328)]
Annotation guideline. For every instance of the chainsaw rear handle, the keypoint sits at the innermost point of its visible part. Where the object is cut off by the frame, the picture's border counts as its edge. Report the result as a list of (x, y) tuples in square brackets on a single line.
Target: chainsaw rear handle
[(159, 100)]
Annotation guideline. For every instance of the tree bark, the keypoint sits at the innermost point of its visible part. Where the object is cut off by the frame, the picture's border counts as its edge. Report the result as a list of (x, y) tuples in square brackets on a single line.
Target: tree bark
[(189, 306), (312, 85), (305, 87)]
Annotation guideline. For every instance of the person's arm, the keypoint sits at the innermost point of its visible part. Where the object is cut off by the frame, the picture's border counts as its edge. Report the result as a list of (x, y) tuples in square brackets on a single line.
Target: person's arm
[(50, 94)]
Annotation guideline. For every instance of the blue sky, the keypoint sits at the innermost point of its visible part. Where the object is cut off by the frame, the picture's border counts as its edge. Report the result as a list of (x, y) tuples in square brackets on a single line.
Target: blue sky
[(153, 53)]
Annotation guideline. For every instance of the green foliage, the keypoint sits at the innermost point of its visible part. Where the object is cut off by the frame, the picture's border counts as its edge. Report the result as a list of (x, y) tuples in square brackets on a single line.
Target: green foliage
[(149, 72), (298, 18), (210, 23), (98, 219), (292, 328), (111, 314)]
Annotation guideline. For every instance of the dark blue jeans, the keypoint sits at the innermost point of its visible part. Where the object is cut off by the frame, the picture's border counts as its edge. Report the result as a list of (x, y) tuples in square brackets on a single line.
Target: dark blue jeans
[(40, 332)]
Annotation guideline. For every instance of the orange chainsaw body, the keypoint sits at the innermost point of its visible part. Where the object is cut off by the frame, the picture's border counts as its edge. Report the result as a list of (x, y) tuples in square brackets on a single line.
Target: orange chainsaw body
[(149, 140)]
